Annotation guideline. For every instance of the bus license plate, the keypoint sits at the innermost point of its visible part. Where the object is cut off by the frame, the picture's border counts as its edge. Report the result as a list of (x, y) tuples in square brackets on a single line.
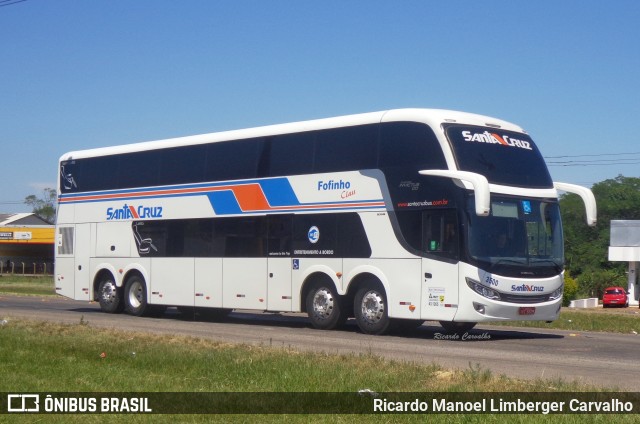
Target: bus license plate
[(527, 310)]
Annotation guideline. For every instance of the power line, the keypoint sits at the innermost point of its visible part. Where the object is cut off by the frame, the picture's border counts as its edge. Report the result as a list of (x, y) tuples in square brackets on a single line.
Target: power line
[(605, 159), (593, 155)]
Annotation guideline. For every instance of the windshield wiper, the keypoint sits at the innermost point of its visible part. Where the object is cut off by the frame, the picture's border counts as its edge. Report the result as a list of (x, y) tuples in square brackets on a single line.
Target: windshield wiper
[(509, 261)]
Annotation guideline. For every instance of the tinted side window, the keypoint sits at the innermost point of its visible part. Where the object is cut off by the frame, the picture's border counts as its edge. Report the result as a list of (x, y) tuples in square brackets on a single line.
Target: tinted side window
[(291, 154), (410, 222), (253, 237), (315, 235), (352, 237), (136, 170), (410, 145), (242, 237), (198, 238), (431, 231), (68, 176), (280, 234), (96, 173), (330, 235), (346, 149), (440, 232), (182, 165), (233, 160)]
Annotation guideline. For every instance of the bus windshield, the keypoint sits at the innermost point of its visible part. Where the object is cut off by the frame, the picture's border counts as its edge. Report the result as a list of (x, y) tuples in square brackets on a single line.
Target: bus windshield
[(504, 157), (520, 238)]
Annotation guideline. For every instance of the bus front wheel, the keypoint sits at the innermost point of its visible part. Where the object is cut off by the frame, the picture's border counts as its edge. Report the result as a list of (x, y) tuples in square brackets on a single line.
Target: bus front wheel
[(110, 296), (370, 309), (324, 307), (135, 296)]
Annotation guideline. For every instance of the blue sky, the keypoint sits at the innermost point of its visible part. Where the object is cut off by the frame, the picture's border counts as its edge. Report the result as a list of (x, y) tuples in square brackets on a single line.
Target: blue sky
[(81, 74)]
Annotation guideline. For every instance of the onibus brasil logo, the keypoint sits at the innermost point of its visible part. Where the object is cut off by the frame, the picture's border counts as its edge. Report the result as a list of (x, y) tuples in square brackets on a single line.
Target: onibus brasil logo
[(132, 212)]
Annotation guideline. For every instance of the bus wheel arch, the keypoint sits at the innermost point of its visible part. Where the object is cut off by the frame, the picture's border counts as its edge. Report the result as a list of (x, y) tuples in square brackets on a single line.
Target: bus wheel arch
[(107, 292), (325, 308)]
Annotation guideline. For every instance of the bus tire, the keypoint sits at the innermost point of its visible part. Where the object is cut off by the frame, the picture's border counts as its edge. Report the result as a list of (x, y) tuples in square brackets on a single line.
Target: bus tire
[(452, 327), (110, 296), (135, 296), (325, 307), (370, 309)]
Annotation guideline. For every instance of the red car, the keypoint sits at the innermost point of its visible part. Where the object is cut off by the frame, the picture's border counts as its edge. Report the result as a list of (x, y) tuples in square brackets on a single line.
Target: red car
[(615, 296)]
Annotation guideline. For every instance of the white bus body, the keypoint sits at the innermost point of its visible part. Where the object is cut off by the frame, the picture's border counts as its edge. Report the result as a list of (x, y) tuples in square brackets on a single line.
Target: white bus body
[(392, 217)]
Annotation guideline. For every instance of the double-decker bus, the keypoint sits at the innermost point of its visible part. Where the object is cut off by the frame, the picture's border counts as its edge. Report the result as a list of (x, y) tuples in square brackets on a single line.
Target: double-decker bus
[(393, 218)]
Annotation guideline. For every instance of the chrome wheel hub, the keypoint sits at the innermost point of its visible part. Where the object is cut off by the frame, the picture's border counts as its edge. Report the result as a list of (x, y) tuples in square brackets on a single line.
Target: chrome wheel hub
[(136, 295), (323, 304), (372, 307), (108, 292)]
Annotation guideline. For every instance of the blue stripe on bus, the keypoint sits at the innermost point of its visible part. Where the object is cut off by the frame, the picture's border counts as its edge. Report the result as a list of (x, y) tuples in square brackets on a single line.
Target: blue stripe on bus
[(279, 192), (224, 202)]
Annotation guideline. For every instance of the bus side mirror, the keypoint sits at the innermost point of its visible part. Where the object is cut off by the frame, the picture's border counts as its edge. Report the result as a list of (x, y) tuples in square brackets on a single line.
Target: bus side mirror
[(478, 182), (587, 197)]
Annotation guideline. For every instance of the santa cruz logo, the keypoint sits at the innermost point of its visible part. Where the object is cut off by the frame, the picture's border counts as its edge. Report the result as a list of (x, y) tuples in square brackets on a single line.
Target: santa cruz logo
[(493, 138), (132, 212), (526, 288)]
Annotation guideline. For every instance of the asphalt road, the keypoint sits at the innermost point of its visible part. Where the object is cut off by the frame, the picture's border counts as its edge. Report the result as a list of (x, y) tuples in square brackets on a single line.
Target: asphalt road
[(601, 359)]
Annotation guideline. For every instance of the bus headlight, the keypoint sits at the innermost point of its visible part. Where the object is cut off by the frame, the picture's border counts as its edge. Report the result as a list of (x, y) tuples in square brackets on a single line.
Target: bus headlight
[(557, 294), (483, 291)]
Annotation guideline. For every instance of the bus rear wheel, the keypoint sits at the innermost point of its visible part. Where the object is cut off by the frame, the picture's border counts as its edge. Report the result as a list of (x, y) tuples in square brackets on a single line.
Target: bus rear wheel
[(110, 296), (325, 307), (135, 296), (370, 309)]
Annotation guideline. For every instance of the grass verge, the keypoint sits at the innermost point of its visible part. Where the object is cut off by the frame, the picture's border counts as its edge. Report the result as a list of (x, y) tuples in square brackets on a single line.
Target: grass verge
[(35, 286), (614, 321), (47, 357)]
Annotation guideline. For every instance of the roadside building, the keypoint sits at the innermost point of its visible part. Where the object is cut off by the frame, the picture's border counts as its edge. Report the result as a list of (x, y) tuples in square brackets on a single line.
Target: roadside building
[(625, 247), (26, 244)]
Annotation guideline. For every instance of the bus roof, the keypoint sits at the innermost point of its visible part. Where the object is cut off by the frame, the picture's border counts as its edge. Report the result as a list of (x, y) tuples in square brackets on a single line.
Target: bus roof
[(432, 117)]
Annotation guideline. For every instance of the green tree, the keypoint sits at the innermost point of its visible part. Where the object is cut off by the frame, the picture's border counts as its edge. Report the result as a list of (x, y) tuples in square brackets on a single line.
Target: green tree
[(586, 248), (45, 206), (570, 289), (593, 283)]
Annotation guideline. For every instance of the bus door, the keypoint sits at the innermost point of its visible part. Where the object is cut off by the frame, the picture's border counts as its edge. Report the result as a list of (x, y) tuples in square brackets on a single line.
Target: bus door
[(244, 267), (440, 266), (65, 262), (72, 261), (279, 262), (279, 284), (81, 262)]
